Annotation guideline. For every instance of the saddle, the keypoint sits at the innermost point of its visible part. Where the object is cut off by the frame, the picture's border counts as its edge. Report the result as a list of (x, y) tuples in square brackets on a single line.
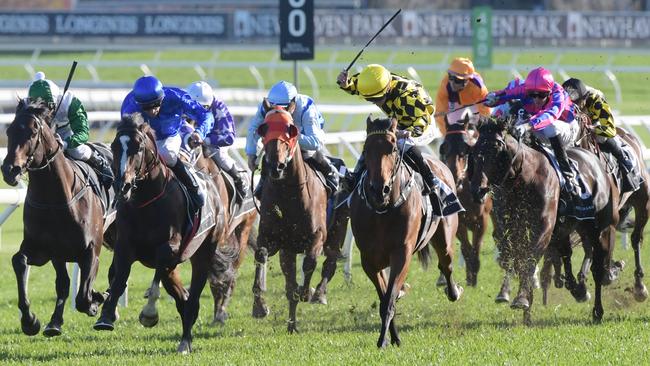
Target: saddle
[(584, 208), (238, 207), (627, 181), (105, 194)]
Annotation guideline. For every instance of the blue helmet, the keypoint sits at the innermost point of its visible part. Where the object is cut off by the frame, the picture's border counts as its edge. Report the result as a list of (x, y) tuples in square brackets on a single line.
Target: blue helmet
[(282, 93), (148, 90)]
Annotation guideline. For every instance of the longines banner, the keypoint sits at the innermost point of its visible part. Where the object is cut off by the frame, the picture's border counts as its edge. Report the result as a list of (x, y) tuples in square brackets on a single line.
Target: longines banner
[(440, 27)]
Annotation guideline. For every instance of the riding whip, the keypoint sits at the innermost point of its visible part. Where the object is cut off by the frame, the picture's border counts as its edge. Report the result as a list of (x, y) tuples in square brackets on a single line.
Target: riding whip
[(67, 85), (439, 114), (372, 39)]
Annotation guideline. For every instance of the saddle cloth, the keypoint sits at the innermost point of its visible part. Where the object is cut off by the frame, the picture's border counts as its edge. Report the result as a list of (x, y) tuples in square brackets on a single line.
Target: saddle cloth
[(238, 207), (634, 176), (105, 194), (583, 209)]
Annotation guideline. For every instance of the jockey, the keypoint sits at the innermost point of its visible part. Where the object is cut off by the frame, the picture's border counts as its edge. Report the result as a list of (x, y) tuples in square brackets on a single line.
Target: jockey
[(592, 102), (71, 123), (552, 115), (163, 108), (309, 121), (405, 100), (222, 134), (461, 86)]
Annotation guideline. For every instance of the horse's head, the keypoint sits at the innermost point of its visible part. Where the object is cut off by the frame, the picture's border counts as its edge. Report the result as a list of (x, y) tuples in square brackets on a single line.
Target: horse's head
[(491, 157), (382, 159), (135, 154), (455, 151), (31, 144), (280, 138)]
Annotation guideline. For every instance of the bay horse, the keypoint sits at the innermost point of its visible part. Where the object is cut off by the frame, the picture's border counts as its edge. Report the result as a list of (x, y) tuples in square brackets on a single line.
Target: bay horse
[(152, 220), (526, 193), (240, 216), (64, 219), (456, 153), (293, 217), (387, 219)]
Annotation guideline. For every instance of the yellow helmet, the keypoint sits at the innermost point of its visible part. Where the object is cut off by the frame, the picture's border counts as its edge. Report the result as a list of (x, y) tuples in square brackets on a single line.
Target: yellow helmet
[(373, 81)]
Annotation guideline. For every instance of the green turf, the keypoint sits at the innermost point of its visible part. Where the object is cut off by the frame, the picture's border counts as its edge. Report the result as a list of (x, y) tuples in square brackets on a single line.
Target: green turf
[(474, 330)]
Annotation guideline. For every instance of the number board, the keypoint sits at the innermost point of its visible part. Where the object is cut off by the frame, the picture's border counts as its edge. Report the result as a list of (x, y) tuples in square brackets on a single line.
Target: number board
[(297, 29)]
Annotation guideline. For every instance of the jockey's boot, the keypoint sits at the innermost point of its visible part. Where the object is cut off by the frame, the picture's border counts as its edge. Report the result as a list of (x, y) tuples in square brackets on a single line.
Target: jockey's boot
[(241, 184), (417, 162), (260, 183), (323, 164), (101, 165), (352, 178), (565, 168), (189, 181), (613, 146)]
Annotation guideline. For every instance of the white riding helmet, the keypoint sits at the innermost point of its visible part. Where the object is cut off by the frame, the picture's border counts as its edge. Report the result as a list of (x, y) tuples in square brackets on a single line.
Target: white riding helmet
[(201, 92)]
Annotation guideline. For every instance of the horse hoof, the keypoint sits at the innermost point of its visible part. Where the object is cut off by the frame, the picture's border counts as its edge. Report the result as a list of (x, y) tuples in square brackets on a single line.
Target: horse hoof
[(640, 293), (148, 321), (103, 324), (31, 328), (520, 303), (502, 298), (306, 295), (319, 299), (260, 310), (597, 316), (220, 318), (184, 348), (382, 343), (291, 327), (455, 294), (92, 310), (396, 342), (52, 331)]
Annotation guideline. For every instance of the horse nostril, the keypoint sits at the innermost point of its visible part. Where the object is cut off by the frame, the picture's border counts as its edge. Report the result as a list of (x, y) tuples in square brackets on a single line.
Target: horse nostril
[(281, 167), (386, 189)]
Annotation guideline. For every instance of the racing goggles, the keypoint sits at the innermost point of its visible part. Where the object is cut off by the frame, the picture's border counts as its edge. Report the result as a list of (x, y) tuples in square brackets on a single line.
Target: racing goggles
[(538, 94)]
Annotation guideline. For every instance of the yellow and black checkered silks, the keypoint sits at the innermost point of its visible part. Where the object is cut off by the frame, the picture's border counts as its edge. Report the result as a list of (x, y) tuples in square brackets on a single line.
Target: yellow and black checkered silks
[(406, 100), (599, 112)]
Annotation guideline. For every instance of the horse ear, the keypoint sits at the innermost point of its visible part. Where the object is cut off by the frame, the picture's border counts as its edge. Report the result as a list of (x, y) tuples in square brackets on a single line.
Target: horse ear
[(393, 124), (292, 130), (262, 129), (442, 151), (369, 122), (266, 105), (292, 106)]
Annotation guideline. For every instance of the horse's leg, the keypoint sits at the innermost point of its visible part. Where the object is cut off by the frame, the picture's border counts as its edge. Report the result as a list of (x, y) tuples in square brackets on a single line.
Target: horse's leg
[(443, 242), (88, 300), (221, 294), (53, 328), (260, 309), (122, 261), (149, 314), (400, 261), (327, 272), (599, 264), (201, 263), (308, 267), (477, 242), (640, 220), (379, 280), (546, 274), (468, 253), (584, 270), (288, 265), (28, 320)]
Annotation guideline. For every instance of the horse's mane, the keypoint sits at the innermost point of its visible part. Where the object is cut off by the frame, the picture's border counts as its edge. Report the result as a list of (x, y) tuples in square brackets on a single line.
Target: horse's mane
[(37, 107), (133, 121)]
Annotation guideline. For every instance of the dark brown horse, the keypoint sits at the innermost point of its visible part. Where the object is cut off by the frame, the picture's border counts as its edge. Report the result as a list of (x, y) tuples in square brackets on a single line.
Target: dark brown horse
[(387, 219), (152, 221), (293, 217), (526, 192), (456, 153), (240, 223), (63, 220)]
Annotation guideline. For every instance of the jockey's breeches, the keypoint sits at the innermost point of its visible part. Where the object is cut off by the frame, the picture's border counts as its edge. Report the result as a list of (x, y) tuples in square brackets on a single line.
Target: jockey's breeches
[(169, 149)]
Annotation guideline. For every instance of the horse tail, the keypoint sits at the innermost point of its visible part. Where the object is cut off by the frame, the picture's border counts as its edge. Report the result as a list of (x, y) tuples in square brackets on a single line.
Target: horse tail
[(222, 268), (424, 256)]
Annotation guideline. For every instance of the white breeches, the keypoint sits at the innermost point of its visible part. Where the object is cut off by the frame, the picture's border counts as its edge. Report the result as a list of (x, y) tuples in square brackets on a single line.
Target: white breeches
[(169, 149)]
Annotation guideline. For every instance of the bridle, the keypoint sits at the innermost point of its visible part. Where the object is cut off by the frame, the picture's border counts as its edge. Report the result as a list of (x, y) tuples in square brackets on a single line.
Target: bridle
[(34, 147), (502, 146)]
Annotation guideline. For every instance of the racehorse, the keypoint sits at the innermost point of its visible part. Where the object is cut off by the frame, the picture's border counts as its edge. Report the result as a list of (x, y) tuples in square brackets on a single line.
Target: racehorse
[(240, 215), (456, 153), (152, 224), (526, 193), (293, 217), (64, 218), (389, 226)]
